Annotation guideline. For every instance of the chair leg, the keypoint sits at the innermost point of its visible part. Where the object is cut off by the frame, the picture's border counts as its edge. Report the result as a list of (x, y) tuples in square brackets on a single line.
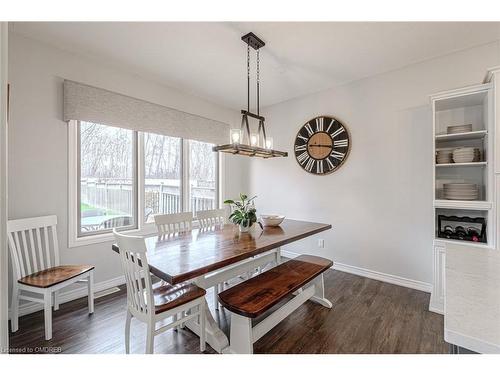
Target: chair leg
[(150, 338), (127, 332), (183, 315), (56, 300), (174, 319), (14, 320), (216, 293), (91, 291), (203, 332), (48, 314), (221, 289)]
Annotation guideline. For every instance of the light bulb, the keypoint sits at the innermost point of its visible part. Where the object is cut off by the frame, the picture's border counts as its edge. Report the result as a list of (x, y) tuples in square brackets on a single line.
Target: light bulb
[(254, 139), (269, 143), (235, 135)]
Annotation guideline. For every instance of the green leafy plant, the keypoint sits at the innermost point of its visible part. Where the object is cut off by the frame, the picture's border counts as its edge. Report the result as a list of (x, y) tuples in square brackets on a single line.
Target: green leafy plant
[(243, 211)]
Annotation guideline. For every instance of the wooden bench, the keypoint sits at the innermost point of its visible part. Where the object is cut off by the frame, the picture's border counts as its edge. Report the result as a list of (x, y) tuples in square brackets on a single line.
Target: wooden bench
[(252, 298)]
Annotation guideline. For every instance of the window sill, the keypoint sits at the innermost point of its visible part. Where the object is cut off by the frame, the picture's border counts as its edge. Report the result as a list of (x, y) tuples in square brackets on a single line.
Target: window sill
[(147, 230)]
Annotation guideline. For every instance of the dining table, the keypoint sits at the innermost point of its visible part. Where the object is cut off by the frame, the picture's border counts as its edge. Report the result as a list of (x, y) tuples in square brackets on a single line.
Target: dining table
[(214, 255)]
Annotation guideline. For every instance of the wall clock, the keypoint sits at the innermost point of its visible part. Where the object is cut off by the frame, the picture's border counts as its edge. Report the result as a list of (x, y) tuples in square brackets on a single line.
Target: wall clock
[(322, 145)]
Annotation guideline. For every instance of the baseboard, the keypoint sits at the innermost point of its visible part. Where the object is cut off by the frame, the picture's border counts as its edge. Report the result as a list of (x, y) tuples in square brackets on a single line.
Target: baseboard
[(70, 295), (375, 275), (436, 306)]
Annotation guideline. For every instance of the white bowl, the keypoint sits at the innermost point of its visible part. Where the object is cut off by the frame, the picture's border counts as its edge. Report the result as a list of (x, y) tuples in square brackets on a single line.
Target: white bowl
[(271, 220)]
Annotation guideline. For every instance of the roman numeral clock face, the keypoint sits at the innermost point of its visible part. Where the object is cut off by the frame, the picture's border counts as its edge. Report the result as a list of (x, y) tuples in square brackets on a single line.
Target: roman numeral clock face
[(322, 145)]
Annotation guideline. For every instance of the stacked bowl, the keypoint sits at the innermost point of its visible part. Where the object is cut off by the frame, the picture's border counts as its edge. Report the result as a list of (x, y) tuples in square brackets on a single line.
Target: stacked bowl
[(466, 155), (444, 155), (461, 191), (459, 129)]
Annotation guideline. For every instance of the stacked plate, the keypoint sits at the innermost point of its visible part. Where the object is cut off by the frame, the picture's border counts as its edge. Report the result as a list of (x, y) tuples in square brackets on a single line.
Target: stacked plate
[(461, 192), (444, 155), (459, 129), (466, 155)]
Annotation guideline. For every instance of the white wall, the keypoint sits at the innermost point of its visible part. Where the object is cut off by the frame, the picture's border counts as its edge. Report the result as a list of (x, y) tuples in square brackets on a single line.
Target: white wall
[(38, 140), (4, 334), (380, 201)]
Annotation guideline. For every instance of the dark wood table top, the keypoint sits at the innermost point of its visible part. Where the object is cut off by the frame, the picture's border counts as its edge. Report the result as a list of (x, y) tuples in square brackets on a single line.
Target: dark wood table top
[(183, 257)]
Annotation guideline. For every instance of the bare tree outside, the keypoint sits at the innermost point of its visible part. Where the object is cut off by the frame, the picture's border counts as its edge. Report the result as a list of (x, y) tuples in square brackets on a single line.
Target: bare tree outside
[(202, 176), (106, 171), (106, 152), (162, 173), (106, 176)]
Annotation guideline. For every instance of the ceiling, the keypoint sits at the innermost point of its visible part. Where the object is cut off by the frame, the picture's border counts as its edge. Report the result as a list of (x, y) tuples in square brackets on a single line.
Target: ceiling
[(208, 59)]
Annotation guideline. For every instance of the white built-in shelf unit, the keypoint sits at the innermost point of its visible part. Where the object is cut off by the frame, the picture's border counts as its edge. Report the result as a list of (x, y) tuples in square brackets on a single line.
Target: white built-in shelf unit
[(470, 105)]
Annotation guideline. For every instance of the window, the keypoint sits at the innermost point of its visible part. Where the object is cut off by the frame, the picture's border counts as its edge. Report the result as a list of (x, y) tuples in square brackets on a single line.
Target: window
[(121, 178), (107, 178), (202, 176), (162, 175)]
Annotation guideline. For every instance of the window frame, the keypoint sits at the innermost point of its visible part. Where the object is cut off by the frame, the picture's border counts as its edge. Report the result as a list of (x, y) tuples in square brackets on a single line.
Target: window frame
[(135, 177), (141, 227)]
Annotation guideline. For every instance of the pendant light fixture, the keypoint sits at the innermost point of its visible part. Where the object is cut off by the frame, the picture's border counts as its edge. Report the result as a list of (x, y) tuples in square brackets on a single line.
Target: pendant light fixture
[(242, 141)]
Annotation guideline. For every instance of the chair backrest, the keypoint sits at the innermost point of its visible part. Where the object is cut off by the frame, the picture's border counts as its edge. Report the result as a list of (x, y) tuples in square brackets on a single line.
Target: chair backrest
[(174, 223), (135, 266), (33, 244), (211, 218)]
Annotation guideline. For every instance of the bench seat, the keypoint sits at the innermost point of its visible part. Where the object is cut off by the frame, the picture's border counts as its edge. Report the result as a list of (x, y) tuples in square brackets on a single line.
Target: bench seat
[(255, 296)]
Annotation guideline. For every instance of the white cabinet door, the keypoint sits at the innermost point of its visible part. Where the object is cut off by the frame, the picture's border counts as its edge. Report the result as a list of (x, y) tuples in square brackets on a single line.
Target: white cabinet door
[(440, 254), (438, 290), (496, 216)]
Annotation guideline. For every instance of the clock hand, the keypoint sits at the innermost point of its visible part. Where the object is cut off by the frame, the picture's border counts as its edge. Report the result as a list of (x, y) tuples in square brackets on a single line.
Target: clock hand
[(329, 146)]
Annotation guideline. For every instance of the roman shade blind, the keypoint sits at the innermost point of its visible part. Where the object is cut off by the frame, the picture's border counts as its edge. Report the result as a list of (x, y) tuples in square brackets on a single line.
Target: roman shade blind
[(87, 103)]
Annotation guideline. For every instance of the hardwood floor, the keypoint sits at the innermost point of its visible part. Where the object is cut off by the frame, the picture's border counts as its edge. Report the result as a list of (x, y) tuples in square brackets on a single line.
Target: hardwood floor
[(368, 316)]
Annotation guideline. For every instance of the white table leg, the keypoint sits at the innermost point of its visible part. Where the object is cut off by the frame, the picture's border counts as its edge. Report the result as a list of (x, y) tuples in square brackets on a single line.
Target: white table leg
[(215, 337), (278, 255)]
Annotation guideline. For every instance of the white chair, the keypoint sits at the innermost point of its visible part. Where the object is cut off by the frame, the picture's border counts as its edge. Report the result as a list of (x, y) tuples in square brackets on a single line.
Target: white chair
[(35, 262), (151, 304), (206, 220), (211, 218), (169, 224)]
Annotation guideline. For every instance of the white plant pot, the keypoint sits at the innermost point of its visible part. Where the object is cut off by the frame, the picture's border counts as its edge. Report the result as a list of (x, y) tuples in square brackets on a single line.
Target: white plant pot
[(244, 229)]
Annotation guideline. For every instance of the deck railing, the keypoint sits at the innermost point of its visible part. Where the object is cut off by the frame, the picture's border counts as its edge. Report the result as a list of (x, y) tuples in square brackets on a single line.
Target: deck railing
[(116, 196)]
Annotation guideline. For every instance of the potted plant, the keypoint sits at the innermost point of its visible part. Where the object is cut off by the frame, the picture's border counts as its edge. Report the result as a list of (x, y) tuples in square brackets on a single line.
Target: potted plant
[(243, 212)]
